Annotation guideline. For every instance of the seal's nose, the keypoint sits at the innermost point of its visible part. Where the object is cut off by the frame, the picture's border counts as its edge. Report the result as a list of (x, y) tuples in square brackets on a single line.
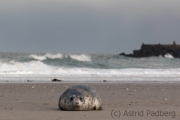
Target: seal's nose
[(72, 98)]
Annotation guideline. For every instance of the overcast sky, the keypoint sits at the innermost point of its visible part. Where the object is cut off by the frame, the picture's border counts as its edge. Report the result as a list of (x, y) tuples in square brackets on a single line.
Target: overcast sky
[(87, 26)]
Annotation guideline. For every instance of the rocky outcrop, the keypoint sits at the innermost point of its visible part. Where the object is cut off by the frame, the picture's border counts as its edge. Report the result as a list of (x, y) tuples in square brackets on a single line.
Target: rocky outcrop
[(148, 50)]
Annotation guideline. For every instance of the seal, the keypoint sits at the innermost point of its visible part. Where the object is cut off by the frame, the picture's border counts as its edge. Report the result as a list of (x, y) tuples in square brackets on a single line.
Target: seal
[(79, 97)]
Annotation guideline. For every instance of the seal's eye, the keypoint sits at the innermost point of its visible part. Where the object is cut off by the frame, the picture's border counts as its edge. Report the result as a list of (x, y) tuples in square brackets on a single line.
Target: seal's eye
[(81, 99)]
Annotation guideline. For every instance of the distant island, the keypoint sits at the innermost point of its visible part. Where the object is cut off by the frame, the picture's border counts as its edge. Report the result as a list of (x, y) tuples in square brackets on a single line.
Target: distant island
[(148, 50)]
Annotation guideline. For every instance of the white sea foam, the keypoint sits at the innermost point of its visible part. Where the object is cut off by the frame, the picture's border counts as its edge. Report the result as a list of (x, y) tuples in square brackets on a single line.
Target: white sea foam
[(81, 57), (168, 55), (33, 67), (36, 70), (48, 55)]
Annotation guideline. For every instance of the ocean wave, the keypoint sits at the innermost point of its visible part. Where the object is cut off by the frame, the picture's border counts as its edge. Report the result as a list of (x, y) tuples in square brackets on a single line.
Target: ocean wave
[(37, 70), (168, 55), (32, 67), (46, 56), (81, 57), (38, 67)]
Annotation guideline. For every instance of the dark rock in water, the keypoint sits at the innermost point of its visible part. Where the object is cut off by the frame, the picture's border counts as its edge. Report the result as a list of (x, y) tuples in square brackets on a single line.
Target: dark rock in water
[(29, 81), (148, 50), (104, 80), (56, 80)]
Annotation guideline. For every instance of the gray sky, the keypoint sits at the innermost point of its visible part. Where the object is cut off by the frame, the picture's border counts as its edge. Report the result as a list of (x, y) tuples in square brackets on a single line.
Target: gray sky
[(87, 26)]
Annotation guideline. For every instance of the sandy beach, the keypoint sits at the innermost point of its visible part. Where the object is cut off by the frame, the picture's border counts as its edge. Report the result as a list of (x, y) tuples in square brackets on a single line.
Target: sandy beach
[(121, 100)]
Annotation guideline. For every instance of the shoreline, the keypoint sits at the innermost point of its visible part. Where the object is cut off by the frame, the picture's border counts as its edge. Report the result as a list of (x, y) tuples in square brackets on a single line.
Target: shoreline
[(120, 100), (83, 82)]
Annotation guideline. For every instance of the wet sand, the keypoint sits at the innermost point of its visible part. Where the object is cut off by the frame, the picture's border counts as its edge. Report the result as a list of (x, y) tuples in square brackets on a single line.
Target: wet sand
[(121, 100)]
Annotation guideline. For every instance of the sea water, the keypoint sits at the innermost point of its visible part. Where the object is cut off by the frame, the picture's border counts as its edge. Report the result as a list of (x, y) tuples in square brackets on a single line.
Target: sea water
[(18, 67)]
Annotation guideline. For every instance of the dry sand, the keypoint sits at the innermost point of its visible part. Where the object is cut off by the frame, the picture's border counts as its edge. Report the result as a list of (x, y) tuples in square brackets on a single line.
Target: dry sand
[(126, 101)]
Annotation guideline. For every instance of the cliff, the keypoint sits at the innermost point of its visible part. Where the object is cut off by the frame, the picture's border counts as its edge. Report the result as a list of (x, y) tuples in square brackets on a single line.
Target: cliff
[(148, 50)]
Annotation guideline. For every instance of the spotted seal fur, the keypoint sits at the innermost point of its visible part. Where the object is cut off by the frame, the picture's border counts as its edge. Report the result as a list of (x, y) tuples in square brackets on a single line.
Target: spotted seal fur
[(79, 97)]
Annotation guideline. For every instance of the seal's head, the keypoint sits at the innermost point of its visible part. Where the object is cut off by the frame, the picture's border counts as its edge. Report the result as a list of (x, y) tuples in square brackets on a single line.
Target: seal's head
[(72, 99), (76, 100)]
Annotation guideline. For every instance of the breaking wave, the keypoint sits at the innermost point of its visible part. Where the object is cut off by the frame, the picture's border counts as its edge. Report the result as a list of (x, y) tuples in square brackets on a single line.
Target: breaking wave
[(46, 56), (81, 57), (168, 55)]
